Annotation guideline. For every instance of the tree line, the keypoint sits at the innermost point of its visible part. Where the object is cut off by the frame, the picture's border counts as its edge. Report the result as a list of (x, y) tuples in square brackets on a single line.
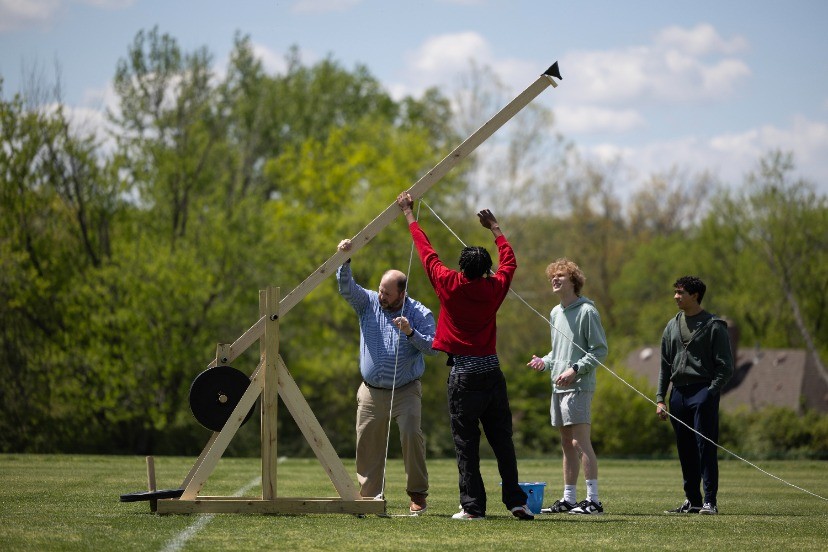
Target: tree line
[(127, 258)]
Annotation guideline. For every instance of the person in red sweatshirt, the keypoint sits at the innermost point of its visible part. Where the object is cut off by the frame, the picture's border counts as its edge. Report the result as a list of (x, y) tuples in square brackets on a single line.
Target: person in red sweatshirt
[(467, 331)]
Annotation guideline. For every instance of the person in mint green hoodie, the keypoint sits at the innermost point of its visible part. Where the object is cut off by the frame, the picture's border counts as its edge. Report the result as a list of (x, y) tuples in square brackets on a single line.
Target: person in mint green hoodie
[(579, 345)]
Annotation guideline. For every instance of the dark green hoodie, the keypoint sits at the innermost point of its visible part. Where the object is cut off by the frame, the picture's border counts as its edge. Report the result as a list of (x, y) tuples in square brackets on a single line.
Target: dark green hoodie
[(706, 358)]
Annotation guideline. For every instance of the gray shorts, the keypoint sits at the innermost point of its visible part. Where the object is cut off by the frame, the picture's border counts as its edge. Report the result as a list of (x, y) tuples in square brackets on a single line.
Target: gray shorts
[(573, 407)]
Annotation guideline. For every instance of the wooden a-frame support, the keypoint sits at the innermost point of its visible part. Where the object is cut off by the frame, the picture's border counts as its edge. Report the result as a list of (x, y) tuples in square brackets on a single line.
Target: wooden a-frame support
[(272, 379)]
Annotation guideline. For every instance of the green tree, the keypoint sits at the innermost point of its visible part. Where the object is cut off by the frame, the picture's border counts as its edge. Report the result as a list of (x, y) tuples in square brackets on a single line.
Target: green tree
[(58, 205), (773, 230)]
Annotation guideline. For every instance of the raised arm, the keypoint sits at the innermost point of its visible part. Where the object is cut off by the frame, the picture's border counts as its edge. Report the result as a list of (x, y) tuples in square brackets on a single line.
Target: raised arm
[(488, 220), (406, 204)]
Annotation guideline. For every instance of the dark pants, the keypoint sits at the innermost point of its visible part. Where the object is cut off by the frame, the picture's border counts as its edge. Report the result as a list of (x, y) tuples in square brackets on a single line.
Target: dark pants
[(698, 408), (481, 399)]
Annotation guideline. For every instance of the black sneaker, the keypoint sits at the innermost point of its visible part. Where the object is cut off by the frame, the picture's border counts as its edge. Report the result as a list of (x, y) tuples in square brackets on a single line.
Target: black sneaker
[(685, 508), (588, 507), (709, 509), (559, 507)]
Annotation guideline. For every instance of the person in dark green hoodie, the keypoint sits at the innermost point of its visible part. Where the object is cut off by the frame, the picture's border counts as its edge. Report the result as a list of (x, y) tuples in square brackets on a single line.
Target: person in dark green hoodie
[(697, 359)]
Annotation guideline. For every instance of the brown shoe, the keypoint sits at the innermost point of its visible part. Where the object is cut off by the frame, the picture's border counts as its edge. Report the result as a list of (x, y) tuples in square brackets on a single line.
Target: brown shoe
[(418, 503)]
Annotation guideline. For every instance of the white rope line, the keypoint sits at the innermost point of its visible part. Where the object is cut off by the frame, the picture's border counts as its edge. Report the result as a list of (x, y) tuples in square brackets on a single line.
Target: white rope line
[(396, 364), (622, 380)]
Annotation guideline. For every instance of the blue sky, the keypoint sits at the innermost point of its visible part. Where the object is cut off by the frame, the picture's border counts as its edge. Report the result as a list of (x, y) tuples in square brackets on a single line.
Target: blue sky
[(693, 84)]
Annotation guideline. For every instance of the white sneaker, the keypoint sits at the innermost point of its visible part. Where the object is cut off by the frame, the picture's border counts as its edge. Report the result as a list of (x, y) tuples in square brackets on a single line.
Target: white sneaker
[(709, 509), (462, 514), (523, 513)]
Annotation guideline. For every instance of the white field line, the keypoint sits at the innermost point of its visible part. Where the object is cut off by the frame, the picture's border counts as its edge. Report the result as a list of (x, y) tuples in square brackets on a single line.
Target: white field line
[(177, 543)]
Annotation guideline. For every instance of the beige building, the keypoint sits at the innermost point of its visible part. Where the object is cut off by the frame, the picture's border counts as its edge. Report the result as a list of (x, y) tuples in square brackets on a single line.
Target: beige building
[(779, 377)]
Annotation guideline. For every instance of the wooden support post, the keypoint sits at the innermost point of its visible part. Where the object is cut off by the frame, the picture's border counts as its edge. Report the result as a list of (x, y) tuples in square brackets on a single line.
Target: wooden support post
[(270, 393)]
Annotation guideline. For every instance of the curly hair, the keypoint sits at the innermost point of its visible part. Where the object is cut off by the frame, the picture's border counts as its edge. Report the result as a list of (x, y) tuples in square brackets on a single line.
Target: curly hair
[(691, 284), (576, 275), (475, 262)]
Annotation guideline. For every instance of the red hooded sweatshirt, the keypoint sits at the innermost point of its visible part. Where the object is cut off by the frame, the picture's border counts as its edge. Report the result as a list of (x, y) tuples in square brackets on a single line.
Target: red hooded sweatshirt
[(468, 308)]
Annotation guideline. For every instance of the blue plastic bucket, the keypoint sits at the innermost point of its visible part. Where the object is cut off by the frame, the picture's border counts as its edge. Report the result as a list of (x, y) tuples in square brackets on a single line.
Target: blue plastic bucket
[(534, 493)]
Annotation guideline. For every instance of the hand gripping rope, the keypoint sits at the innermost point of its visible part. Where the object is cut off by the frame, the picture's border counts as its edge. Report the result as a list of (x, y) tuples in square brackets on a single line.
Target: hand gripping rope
[(629, 385)]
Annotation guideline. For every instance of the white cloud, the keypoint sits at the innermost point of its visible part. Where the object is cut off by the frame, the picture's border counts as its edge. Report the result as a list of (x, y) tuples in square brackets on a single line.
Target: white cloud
[(643, 73), (275, 62), (23, 14), (441, 59), (590, 119), (324, 6), (445, 55), (86, 121), (808, 139), (730, 156), (680, 65), (272, 62), (701, 40), (19, 14)]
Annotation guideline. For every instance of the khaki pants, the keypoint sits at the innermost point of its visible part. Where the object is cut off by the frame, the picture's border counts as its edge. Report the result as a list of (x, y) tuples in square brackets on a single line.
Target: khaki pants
[(373, 408)]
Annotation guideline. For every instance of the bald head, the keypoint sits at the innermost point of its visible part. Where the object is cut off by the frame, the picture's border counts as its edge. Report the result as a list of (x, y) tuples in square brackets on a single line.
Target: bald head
[(392, 290)]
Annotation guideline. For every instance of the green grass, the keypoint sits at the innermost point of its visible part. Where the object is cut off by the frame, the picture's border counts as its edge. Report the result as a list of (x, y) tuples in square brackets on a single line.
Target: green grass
[(72, 503)]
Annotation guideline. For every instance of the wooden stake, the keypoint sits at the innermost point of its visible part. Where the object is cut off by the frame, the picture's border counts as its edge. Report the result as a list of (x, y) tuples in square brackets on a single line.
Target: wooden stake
[(151, 486)]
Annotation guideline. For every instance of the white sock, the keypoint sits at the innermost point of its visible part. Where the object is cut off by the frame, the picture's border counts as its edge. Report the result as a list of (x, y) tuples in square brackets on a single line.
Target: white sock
[(570, 494), (592, 490)]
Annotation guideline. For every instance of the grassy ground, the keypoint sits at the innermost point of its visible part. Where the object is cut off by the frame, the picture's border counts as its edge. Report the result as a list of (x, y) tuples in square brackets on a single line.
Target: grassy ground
[(72, 503)]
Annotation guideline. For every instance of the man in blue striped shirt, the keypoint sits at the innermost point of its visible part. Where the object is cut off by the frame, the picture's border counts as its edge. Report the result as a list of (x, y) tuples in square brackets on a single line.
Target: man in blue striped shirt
[(395, 332)]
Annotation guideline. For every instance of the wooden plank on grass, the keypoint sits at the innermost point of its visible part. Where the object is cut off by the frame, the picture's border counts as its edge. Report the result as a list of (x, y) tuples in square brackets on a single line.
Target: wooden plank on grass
[(241, 505)]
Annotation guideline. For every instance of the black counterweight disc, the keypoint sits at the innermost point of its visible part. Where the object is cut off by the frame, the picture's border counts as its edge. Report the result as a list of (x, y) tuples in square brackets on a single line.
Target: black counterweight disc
[(215, 393)]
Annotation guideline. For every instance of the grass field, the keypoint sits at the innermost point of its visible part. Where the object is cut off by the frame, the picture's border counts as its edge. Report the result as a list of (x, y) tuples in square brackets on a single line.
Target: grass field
[(72, 503)]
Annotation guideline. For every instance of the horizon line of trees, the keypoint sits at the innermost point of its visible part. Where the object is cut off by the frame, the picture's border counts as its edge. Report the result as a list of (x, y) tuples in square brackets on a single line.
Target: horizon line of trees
[(122, 266)]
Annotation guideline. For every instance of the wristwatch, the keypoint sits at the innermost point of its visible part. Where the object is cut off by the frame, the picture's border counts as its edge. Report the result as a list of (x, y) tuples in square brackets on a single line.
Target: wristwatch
[(574, 367)]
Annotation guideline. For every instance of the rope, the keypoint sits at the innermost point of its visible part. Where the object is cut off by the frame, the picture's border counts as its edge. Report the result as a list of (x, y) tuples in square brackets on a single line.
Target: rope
[(622, 380)]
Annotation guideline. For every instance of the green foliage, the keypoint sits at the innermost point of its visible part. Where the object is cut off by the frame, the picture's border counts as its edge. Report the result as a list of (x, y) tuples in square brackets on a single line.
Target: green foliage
[(624, 422), (776, 432), (121, 270)]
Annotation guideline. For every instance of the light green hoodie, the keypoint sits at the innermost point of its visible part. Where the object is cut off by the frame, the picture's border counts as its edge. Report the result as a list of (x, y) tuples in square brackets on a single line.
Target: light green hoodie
[(575, 329)]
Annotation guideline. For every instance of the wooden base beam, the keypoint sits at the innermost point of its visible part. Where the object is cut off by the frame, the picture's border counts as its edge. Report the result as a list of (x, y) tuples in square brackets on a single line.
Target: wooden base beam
[(243, 505)]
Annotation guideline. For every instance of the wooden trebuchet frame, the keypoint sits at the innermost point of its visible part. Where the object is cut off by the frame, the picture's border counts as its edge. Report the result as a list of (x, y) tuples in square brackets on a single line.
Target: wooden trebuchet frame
[(272, 379)]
